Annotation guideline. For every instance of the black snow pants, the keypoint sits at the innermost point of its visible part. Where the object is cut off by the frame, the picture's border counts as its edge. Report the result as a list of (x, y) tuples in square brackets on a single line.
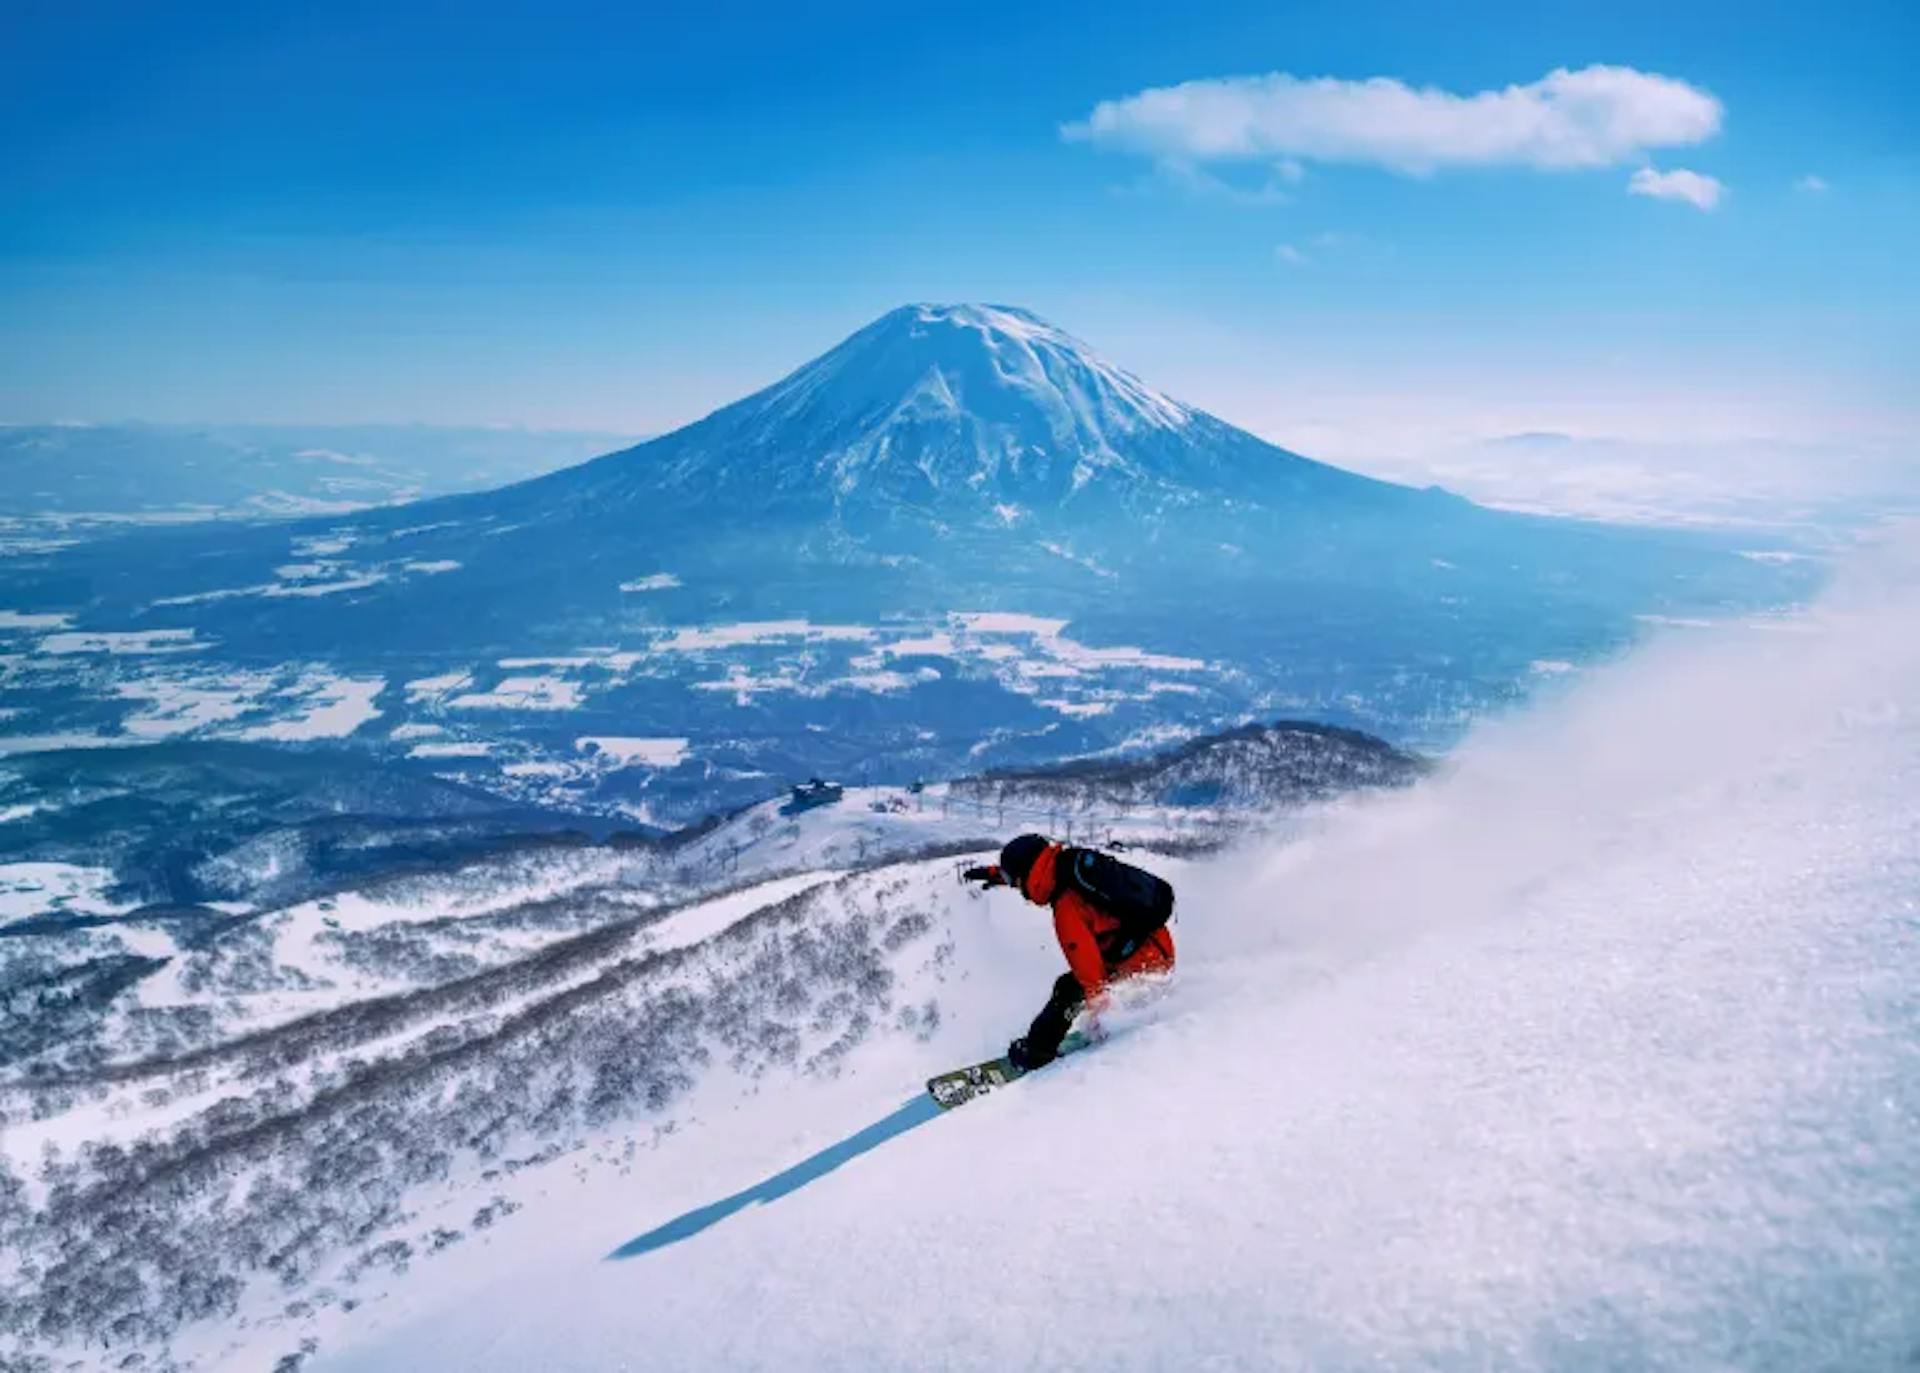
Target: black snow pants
[(1051, 1025)]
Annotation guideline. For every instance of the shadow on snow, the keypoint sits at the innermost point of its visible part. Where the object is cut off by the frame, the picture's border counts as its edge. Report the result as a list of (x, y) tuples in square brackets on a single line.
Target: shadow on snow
[(915, 1112)]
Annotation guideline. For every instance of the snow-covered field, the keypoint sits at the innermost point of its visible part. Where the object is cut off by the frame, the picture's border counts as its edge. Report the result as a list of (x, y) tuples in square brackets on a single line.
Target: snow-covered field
[(28, 889), (1598, 1051), (731, 699)]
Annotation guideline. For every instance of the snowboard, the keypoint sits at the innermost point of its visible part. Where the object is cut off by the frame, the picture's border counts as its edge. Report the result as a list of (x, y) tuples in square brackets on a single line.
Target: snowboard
[(962, 1085)]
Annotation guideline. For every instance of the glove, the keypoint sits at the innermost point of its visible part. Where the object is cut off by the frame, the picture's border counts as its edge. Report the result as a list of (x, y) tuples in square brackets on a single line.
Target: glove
[(986, 877)]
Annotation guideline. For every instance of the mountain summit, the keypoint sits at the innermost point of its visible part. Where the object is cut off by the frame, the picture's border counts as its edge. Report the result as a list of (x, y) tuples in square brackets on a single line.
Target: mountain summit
[(995, 365), (961, 413)]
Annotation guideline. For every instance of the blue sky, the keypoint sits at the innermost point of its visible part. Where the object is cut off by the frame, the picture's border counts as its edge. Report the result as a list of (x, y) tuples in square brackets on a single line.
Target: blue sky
[(615, 216)]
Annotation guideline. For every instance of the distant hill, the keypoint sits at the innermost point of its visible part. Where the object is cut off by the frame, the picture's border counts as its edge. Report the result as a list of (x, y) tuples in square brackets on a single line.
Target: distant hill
[(174, 472), (1253, 767)]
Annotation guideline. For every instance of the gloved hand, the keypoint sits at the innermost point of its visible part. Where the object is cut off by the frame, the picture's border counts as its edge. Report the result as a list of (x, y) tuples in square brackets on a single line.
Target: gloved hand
[(986, 877)]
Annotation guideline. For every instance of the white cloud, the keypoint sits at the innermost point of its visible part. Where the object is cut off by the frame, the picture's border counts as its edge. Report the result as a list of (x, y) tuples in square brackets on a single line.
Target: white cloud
[(1594, 117), (1812, 184), (1701, 192), (1291, 255)]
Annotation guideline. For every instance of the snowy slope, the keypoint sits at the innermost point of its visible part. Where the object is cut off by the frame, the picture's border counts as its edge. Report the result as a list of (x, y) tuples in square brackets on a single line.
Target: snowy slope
[(1598, 1051), (265, 1118)]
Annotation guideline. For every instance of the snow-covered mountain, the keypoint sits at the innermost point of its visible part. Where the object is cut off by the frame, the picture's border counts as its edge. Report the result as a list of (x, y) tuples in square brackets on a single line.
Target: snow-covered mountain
[(961, 415), (940, 455), (959, 539)]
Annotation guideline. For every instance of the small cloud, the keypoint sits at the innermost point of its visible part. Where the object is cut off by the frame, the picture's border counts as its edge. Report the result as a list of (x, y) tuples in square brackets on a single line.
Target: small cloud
[(1695, 189), (1290, 171), (1812, 185), (1291, 255)]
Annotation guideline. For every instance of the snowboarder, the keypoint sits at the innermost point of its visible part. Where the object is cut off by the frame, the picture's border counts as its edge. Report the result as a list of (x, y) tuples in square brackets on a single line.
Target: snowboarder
[(1109, 916)]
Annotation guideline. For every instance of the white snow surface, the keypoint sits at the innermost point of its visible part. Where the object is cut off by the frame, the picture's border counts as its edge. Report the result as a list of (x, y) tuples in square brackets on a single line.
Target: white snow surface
[(1599, 1050), (627, 751), (46, 743), (182, 705), (430, 688), (121, 641), (1050, 360), (452, 748), (41, 888), (1050, 637), (325, 578), (697, 640), (521, 693), (653, 581), (17, 619), (332, 708), (1077, 390)]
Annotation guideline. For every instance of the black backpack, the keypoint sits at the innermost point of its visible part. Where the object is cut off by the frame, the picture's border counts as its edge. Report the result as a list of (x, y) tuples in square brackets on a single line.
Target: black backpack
[(1141, 902)]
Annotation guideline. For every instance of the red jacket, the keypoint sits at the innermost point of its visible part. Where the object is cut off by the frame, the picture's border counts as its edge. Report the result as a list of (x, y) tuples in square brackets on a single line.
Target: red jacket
[(1088, 935)]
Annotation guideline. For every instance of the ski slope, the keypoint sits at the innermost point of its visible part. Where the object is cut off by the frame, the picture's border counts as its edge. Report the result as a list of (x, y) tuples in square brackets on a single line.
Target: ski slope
[(1599, 1050)]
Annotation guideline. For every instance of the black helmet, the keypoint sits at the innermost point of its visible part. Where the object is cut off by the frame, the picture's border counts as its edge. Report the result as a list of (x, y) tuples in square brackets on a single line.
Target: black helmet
[(1016, 859)]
